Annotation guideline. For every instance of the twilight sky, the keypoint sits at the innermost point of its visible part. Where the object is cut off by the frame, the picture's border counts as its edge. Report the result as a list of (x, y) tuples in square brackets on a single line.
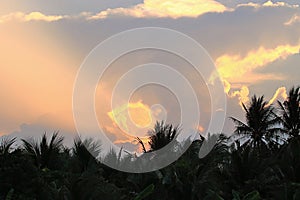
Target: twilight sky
[(255, 46)]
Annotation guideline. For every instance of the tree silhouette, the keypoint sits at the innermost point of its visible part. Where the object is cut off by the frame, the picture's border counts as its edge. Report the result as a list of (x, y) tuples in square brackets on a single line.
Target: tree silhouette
[(261, 122), (239, 169), (290, 112), (85, 153), (6, 144), (160, 136), (45, 151)]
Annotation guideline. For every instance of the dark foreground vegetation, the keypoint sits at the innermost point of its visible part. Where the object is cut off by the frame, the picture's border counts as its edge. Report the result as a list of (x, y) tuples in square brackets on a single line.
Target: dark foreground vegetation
[(260, 161)]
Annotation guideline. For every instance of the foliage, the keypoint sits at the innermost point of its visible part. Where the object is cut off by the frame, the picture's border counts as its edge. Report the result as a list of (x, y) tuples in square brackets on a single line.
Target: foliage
[(290, 111), (250, 168), (261, 125)]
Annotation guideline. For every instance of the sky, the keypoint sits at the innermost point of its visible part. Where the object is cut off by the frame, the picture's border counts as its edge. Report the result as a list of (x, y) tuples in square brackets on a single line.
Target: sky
[(255, 46)]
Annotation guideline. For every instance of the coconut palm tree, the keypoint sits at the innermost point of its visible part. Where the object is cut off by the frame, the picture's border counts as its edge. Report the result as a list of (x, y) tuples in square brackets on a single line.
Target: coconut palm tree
[(85, 153), (261, 123), (161, 135), (44, 151), (5, 145), (290, 113)]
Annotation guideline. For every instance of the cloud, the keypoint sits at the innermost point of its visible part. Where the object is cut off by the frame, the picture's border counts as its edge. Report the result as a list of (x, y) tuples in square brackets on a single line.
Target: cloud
[(294, 19), (268, 4), (165, 8), (138, 113), (33, 16), (279, 4), (235, 67), (242, 94), (132, 118), (133, 145), (149, 8), (240, 70), (280, 92)]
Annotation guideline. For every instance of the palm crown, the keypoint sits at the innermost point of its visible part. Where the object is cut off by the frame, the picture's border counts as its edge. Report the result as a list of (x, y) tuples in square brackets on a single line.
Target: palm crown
[(261, 121), (290, 110)]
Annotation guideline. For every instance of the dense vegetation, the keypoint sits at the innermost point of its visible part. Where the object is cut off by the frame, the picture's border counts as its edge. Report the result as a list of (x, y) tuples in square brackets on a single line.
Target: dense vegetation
[(260, 161)]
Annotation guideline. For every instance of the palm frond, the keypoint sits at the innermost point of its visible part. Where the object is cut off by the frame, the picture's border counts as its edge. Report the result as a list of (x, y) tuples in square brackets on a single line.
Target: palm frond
[(6, 144)]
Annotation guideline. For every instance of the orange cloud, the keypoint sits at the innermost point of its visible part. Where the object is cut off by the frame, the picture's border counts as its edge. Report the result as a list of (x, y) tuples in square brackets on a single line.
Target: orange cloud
[(235, 66), (280, 92), (138, 113), (165, 8), (33, 16), (242, 94), (237, 69)]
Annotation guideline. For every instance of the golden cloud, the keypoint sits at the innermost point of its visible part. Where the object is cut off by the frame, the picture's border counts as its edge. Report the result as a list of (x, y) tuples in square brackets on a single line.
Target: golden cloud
[(33, 16), (138, 113), (232, 67), (280, 92), (166, 8), (242, 94), (237, 69)]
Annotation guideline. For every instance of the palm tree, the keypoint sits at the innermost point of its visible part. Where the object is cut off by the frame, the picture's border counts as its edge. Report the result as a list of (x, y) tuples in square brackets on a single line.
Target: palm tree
[(290, 110), (261, 123), (5, 145), (45, 151), (160, 136)]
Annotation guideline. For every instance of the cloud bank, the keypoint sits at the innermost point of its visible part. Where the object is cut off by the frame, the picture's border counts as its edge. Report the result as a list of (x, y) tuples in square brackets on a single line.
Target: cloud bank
[(165, 8), (151, 9)]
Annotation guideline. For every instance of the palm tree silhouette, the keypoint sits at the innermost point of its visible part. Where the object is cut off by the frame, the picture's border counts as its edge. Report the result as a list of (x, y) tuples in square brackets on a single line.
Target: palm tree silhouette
[(261, 123), (5, 145), (83, 153), (160, 136), (290, 111), (44, 151)]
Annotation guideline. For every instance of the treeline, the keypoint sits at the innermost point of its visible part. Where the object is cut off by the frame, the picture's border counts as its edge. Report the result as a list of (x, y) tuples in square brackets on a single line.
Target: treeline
[(260, 161)]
